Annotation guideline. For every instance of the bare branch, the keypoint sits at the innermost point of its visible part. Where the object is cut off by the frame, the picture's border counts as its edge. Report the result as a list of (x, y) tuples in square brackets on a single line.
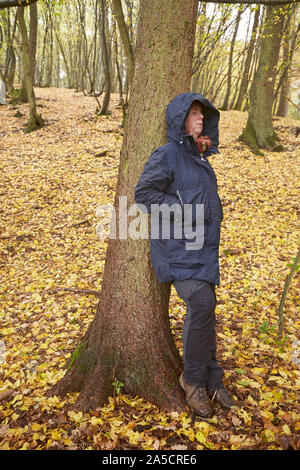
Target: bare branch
[(15, 3)]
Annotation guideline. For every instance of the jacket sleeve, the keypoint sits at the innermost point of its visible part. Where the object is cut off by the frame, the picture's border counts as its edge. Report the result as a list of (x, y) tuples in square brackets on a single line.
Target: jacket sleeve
[(153, 182)]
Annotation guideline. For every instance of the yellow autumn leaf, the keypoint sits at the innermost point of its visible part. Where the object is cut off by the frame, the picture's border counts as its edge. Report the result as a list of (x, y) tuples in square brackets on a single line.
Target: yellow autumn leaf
[(246, 417), (241, 441), (25, 446), (185, 421), (55, 434), (204, 428), (188, 432), (237, 439), (67, 441), (268, 435), (259, 370), (133, 437), (36, 298), (5, 446), (6, 331), (95, 421), (297, 426), (77, 417), (49, 442), (267, 414), (275, 378), (286, 429), (201, 437)]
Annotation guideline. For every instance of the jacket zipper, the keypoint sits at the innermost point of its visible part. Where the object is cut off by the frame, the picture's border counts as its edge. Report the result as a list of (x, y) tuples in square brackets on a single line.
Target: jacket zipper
[(178, 194)]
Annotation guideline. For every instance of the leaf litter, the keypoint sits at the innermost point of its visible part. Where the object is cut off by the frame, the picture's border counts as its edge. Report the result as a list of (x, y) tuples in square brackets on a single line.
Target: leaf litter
[(52, 262)]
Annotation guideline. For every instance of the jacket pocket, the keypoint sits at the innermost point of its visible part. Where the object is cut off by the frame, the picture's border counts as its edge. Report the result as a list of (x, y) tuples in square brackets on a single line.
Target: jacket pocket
[(181, 256), (193, 197), (220, 207)]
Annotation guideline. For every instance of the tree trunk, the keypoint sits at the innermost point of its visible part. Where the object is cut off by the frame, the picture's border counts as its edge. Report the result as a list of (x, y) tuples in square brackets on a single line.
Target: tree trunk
[(106, 65), (229, 71), (259, 132), (33, 37), (284, 81), (283, 105), (35, 120), (128, 50), (130, 339), (11, 72), (65, 60), (246, 74), (119, 76)]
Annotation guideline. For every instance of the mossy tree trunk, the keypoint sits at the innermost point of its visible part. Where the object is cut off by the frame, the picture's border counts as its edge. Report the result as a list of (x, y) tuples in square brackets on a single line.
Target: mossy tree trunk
[(35, 120), (259, 132), (130, 339)]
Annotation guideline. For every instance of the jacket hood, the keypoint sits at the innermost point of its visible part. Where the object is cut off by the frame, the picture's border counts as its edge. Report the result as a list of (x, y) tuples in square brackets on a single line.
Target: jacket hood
[(176, 115)]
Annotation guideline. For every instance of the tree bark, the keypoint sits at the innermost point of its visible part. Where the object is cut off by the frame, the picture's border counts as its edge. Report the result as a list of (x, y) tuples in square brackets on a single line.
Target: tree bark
[(229, 71), (128, 50), (283, 105), (259, 132), (246, 74), (106, 65), (284, 81), (33, 37), (10, 60), (130, 338), (35, 120), (11, 72)]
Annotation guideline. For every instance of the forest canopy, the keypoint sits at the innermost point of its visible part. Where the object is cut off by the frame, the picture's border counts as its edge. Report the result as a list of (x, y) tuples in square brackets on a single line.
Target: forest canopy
[(81, 45)]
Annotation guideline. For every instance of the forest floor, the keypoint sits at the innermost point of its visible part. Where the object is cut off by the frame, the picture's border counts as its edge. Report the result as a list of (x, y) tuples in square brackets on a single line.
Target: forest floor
[(52, 181)]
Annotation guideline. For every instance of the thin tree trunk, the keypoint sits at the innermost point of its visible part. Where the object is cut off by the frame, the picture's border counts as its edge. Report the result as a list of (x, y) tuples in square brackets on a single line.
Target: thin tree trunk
[(130, 339), (259, 132), (249, 58), (11, 72), (69, 79), (283, 105), (118, 14), (284, 81), (43, 54), (33, 37), (294, 268), (117, 61), (106, 66), (35, 120), (229, 72)]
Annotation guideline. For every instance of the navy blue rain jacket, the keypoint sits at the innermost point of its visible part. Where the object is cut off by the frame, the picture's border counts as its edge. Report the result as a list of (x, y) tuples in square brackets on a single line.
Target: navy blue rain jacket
[(177, 173)]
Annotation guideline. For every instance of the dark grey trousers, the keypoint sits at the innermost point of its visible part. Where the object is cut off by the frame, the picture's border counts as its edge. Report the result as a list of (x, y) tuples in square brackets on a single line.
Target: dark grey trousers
[(199, 336)]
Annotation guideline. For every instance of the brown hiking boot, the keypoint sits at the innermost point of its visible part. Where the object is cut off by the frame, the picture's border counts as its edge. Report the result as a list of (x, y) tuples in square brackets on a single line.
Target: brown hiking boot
[(223, 397), (196, 398)]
